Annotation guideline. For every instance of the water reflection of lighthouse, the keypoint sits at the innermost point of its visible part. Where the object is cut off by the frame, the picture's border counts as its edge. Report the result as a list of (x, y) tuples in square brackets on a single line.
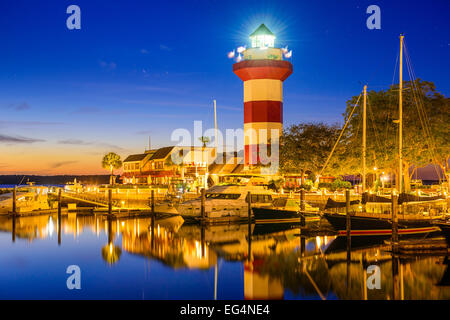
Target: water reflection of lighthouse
[(258, 286)]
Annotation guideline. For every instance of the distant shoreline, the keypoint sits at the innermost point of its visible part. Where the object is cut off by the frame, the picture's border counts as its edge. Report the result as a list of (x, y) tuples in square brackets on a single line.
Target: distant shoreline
[(53, 180)]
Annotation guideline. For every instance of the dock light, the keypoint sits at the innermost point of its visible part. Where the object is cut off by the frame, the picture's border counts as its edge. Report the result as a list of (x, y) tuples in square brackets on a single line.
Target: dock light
[(375, 168)]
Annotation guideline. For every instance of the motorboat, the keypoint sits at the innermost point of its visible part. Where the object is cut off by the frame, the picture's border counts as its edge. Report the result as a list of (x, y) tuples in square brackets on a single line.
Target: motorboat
[(28, 198), (286, 210), (230, 201)]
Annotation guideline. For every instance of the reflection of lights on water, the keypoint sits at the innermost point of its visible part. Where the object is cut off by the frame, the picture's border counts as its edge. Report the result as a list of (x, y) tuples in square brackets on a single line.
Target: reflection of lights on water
[(50, 226), (123, 223), (318, 242)]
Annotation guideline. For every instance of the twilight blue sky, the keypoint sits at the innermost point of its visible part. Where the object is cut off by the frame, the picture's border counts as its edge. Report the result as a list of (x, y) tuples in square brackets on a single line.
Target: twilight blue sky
[(139, 68)]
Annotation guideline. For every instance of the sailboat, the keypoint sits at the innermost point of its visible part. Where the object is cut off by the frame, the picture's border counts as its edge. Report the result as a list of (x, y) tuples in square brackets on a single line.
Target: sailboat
[(376, 219)]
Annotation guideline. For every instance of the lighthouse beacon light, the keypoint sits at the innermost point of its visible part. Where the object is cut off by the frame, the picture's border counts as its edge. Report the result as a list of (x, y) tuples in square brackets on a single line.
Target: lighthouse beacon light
[(262, 38)]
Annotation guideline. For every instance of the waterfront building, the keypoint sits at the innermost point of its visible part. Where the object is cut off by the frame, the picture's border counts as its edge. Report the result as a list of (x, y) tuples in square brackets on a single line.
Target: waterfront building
[(158, 167)]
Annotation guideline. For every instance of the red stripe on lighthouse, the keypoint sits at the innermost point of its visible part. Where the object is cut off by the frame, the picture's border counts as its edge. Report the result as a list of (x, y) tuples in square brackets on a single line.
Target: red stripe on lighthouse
[(263, 69), (263, 111)]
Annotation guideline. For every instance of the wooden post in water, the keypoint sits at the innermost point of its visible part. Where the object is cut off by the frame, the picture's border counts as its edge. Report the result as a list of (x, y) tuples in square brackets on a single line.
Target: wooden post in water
[(394, 222), (14, 200), (153, 202), (202, 240), (152, 239), (59, 202), (349, 241), (249, 235), (302, 207), (59, 216), (202, 209), (249, 203), (395, 277), (347, 212), (364, 266), (13, 228), (110, 201)]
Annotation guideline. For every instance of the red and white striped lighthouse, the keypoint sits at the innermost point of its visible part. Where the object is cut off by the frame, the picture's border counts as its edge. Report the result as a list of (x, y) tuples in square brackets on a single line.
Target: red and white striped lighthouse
[(263, 72)]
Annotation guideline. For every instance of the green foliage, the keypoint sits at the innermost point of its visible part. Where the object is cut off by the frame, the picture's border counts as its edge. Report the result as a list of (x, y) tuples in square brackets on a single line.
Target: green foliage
[(111, 161), (276, 184), (306, 186), (419, 148), (325, 185), (204, 140), (336, 185), (339, 184), (306, 146)]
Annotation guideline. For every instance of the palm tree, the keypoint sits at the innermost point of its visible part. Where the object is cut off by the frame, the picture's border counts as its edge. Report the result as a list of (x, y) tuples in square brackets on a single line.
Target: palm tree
[(111, 161), (204, 140)]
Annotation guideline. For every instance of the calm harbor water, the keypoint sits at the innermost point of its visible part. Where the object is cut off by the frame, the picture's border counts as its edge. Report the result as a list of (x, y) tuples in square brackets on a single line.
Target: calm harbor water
[(137, 258)]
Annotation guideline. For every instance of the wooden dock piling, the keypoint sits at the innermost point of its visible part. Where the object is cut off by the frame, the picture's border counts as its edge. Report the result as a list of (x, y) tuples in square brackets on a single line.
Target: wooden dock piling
[(349, 239), (395, 222), (152, 239), (203, 203), (249, 235), (59, 203), (202, 239), (153, 202), (13, 228), (110, 201), (59, 215), (302, 207), (14, 208), (347, 212), (249, 203)]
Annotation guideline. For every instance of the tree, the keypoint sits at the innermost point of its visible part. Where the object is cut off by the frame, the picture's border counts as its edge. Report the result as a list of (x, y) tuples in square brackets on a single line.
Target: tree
[(306, 146), (426, 115), (111, 161), (204, 140)]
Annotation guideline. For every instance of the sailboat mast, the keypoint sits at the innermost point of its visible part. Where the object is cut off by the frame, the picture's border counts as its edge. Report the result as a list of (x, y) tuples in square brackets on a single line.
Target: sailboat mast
[(400, 116), (215, 124), (364, 142)]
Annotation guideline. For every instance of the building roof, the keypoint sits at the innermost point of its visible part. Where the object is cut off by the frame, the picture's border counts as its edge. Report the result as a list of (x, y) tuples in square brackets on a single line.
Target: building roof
[(262, 30), (162, 153), (135, 157)]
